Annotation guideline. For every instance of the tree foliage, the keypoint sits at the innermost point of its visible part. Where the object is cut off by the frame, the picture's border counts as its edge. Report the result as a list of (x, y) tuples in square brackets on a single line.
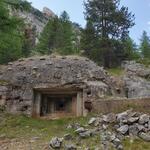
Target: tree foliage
[(145, 45), (108, 24), (10, 35), (130, 48), (58, 36)]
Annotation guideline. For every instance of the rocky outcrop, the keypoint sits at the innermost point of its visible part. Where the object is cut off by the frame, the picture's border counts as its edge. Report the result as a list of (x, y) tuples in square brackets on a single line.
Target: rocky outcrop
[(34, 19), (136, 69), (136, 80)]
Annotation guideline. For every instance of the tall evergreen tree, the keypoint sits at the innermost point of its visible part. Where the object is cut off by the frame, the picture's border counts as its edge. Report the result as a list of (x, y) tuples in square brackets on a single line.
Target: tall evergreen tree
[(10, 35), (145, 45), (57, 36), (111, 23), (50, 37), (130, 48)]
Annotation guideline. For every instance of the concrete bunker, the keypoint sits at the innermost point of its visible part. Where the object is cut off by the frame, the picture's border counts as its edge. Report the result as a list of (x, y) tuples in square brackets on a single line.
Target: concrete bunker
[(57, 103)]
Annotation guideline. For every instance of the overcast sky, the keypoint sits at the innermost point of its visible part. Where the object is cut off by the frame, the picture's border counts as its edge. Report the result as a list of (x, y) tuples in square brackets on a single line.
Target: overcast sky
[(75, 8)]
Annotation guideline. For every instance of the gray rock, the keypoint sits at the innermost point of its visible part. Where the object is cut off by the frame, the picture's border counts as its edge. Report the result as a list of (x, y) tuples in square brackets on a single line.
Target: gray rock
[(146, 125), (56, 142), (80, 130), (69, 126), (70, 147), (133, 120), (122, 116), (85, 134), (110, 118), (140, 127), (144, 136), (144, 119), (116, 142), (149, 125), (137, 87), (120, 147), (133, 130), (92, 121), (123, 129)]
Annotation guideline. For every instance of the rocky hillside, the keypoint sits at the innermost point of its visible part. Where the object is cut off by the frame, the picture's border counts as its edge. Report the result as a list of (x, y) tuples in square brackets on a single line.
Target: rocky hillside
[(34, 18), (136, 80)]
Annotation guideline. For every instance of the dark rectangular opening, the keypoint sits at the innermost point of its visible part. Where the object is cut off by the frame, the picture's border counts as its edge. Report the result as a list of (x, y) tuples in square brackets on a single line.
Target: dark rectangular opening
[(57, 104)]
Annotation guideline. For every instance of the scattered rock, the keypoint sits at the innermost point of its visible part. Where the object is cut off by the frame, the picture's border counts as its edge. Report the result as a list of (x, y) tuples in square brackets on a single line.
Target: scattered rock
[(92, 121), (70, 147), (80, 130), (128, 123), (85, 134), (144, 119), (110, 118), (144, 136), (133, 130), (56, 142), (133, 120), (123, 129)]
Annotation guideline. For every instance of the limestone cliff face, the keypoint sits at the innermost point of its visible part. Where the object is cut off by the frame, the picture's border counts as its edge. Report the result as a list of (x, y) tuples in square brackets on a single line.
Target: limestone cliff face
[(34, 19)]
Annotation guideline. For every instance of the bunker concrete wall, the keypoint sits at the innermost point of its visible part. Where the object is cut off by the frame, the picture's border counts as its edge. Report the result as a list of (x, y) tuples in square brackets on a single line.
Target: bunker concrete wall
[(108, 106)]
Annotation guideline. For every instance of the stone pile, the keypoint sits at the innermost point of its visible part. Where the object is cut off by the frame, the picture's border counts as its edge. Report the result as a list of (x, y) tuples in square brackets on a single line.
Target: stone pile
[(111, 129)]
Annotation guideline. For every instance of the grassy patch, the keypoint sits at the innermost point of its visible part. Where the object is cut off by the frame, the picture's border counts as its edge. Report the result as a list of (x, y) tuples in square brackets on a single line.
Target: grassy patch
[(116, 71), (136, 144), (22, 127), (16, 126)]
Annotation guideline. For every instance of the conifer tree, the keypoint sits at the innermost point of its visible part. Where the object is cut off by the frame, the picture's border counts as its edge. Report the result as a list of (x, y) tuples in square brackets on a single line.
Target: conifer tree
[(145, 45), (111, 23)]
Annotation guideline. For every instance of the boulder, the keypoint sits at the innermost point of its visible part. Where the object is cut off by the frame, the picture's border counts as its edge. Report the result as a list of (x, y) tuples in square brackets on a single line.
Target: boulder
[(133, 129), (123, 129), (144, 119), (80, 130), (122, 116), (92, 121), (132, 120)]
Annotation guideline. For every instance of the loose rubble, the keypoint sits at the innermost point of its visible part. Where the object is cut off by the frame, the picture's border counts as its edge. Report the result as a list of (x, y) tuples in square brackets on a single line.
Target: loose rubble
[(111, 129)]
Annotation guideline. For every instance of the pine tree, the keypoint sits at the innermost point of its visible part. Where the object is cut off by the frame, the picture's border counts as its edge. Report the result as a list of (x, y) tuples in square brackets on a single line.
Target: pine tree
[(130, 49), (10, 35), (50, 37), (145, 45), (110, 23), (66, 42), (89, 39), (58, 36)]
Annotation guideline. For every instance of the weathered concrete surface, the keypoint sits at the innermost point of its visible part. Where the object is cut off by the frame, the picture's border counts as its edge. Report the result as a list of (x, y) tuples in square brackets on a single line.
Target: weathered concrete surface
[(25, 76), (108, 106)]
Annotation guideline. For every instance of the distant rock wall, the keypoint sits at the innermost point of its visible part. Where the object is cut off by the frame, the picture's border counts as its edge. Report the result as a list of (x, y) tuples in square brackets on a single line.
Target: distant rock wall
[(34, 19)]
